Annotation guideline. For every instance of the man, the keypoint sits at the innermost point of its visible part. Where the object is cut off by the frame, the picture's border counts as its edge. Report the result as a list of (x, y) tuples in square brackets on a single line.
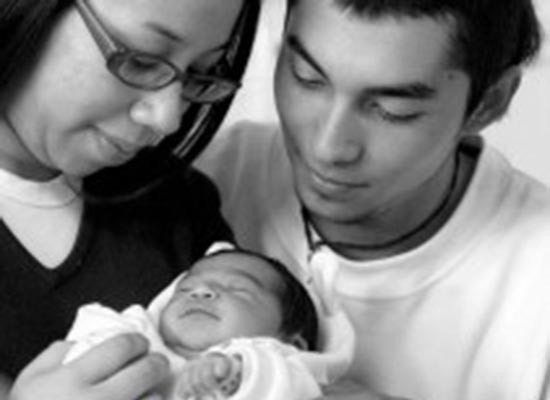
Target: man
[(438, 249)]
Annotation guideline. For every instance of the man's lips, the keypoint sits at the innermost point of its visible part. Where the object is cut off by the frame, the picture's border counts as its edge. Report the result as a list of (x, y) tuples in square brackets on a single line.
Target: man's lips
[(336, 183)]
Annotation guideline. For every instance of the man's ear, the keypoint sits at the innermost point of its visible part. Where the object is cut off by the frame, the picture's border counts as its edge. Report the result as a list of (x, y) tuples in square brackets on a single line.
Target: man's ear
[(297, 341), (495, 102)]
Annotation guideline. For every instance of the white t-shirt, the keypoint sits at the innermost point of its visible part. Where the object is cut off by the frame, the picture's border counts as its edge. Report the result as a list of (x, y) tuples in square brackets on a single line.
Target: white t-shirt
[(466, 315), (43, 216)]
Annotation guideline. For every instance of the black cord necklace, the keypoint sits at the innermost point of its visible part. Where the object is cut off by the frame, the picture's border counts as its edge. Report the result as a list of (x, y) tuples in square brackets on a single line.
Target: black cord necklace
[(314, 245)]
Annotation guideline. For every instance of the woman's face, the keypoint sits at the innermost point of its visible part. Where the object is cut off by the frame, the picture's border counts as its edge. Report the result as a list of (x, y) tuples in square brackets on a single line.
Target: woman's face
[(73, 116)]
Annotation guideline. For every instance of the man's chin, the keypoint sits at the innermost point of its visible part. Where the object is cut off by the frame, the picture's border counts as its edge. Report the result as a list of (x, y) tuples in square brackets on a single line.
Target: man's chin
[(334, 212)]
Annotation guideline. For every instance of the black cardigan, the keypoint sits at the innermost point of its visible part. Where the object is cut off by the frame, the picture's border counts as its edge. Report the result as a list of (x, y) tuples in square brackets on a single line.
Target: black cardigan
[(124, 254)]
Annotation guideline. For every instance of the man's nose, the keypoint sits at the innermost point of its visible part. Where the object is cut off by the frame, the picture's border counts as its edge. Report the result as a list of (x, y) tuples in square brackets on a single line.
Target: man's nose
[(339, 139), (160, 110)]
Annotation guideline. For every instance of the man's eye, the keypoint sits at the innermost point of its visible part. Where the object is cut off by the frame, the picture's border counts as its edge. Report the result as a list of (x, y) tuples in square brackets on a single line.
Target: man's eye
[(392, 116), (305, 75), (398, 118)]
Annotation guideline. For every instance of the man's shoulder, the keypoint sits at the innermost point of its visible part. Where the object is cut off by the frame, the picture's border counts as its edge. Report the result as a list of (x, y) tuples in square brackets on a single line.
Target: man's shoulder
[(524, 207)]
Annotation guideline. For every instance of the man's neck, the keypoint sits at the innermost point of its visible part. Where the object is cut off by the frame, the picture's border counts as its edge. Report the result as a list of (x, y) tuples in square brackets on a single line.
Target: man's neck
[(402, 227)]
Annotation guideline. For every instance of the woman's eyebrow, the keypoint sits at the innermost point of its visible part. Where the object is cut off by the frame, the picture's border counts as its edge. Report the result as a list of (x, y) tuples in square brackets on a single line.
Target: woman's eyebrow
[(173, 36), (168, 33), (296, 45)]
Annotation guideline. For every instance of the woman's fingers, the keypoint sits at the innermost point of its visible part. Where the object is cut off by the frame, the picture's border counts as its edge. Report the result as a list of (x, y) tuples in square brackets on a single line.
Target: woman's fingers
[(118, 369), (109, 357), (48, 359), (137, 378)]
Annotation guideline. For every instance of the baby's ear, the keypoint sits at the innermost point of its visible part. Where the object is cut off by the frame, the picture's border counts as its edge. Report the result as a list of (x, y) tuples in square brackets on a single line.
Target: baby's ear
[(298, 341)]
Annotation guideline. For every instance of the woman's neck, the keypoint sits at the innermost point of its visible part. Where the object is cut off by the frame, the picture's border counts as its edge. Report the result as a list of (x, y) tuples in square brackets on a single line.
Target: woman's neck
[(17, 159)]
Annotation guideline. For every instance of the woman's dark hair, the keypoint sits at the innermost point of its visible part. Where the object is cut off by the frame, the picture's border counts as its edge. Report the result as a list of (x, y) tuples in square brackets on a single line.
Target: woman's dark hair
[(491, 36), (25, 25), (299, 315)]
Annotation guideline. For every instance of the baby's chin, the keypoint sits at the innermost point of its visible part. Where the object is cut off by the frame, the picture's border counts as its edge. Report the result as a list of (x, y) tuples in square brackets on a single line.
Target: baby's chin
[(188, 351)]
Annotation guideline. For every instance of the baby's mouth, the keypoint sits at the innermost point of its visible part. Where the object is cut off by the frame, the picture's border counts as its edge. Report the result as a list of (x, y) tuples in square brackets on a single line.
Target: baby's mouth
[(198, 311)]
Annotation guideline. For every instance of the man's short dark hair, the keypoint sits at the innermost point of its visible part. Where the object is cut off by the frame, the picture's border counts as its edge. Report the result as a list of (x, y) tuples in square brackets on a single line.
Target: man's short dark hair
[(490, 36)]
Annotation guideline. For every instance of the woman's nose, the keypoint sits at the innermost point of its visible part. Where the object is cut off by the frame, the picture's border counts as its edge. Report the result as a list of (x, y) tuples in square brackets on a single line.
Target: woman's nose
[(160, 110)]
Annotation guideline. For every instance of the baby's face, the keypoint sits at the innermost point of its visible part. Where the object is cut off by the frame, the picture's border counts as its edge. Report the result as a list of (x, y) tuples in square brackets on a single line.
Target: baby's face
[(223, 296)]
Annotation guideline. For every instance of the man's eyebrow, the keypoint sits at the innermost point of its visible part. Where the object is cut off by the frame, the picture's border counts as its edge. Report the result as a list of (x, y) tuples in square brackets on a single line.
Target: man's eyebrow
[(295, 44), (412, 90)]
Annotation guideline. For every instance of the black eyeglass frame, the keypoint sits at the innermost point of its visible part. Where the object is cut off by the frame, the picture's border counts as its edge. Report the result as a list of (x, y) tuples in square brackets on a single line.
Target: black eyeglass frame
[(116, 54)]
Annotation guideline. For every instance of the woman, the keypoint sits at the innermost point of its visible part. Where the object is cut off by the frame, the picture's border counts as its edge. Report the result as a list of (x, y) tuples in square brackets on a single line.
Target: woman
[(102, 103)]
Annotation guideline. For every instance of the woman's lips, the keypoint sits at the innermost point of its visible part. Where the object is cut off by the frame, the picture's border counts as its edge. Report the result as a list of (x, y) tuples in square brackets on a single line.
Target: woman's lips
[(117, 150), (125, 148)]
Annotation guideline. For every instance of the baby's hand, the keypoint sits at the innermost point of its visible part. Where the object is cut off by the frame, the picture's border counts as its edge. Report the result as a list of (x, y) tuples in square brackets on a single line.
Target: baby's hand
[(211, 373)]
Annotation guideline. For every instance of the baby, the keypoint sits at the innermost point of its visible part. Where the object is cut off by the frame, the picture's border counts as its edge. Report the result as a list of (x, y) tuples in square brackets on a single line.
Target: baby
[(237, 325)]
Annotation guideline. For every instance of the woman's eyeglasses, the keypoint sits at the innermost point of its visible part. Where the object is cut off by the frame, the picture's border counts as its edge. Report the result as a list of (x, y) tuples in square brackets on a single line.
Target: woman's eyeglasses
[(150, 72)]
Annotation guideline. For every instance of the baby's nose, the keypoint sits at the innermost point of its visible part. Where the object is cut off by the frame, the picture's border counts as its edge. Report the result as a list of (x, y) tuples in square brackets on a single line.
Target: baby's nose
[(202, 292)]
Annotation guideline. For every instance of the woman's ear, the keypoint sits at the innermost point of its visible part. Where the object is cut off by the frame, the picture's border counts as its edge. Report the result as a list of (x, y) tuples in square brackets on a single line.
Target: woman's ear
[(495, 102)]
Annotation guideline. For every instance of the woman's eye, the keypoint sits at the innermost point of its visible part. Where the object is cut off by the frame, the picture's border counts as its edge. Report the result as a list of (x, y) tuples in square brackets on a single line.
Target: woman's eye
[(142, 64)]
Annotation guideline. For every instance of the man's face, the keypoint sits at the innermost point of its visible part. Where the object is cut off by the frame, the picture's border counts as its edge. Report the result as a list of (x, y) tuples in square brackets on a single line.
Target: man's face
[(371, 109)]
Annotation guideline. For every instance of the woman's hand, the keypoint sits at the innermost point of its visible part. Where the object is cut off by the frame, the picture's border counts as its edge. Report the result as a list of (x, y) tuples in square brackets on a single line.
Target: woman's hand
[(118, 369)]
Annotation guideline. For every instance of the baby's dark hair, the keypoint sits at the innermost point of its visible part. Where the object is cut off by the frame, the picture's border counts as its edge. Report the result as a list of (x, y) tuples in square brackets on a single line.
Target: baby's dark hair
[(299, 315)]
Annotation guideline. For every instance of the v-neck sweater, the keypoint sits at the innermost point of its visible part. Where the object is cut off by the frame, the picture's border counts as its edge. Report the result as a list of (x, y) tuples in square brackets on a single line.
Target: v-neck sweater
[(122, 254)]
